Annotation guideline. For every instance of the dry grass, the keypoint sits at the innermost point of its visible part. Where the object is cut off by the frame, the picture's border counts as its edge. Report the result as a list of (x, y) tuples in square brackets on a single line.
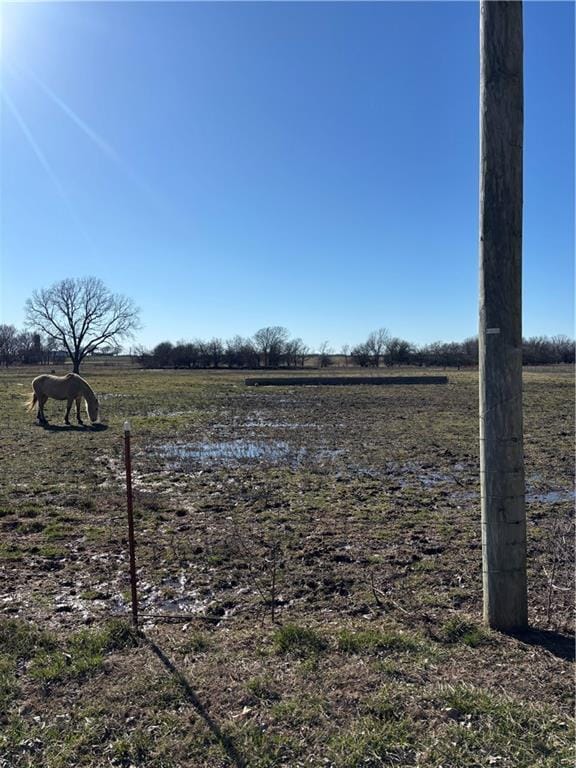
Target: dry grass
[(349, 516)]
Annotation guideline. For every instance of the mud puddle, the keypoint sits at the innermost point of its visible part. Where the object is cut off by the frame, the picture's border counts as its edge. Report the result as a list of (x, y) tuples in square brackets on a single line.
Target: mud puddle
[(235, 452)]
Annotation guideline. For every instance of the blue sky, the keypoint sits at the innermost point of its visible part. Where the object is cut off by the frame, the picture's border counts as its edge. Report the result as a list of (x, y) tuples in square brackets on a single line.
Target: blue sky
[(311, 165)]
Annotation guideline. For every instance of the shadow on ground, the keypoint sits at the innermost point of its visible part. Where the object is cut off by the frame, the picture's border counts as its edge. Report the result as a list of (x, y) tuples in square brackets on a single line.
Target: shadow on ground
[(562, 646), (72, 427), (224, 740)]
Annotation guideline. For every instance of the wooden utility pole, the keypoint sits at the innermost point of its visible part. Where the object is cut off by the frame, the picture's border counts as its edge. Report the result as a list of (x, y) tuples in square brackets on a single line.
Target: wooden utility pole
[(131, 544), (500, 337)]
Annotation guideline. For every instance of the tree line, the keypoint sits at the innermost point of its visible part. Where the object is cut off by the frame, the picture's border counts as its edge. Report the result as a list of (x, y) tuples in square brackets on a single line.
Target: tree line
[(272, 347), (80, 317)]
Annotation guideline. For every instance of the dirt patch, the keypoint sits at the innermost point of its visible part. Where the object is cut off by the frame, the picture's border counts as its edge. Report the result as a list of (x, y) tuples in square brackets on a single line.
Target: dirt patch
[(350, 514)]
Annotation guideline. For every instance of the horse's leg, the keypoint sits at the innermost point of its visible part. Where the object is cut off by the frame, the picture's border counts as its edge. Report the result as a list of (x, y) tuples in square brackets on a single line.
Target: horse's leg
[(40, 416), (78, 404), (68, 407)]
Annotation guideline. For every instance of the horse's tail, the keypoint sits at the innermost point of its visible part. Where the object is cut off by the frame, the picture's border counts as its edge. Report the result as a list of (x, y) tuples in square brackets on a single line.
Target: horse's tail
[(31, 402)]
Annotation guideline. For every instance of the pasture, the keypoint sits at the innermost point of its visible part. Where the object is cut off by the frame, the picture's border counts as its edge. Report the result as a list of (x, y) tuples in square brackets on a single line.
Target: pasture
[(326, 543)]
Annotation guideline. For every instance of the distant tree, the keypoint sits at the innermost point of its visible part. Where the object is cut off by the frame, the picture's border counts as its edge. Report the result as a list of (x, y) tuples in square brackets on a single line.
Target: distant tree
[(184, 354), (444, 354), (82, 315), (376, 345), (142, 356), (29, 348), (361, 355), (215, 352), (49, 348), (470, 350), (8, 344), (270, 342), (295, 352), (564, 349), (240, 353), (163, 355), (346, 353), (325, 355), (398, 351)]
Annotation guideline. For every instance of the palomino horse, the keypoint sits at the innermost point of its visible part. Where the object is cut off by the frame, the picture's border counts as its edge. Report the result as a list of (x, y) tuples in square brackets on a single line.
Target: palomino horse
[(70, 388)]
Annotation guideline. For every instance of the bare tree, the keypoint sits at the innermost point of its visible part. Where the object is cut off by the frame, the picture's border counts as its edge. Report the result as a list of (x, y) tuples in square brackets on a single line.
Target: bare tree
[(346, 354), (163, 354), (295, 352), (376, 345), (215, 351), (398, 351), (360, 355), (325, 355), (240, 353), (8, 344), (82, 315), (270, 342)]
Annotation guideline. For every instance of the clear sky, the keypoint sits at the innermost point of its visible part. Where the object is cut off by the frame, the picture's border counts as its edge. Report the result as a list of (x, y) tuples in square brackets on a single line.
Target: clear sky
[(311, 165)]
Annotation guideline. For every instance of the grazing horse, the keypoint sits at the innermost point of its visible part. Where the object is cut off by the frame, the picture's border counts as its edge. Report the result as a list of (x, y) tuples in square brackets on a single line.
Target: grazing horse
[(70, 388)]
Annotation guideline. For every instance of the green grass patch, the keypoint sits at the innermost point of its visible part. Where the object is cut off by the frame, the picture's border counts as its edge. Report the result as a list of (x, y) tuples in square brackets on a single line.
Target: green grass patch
[(262, 749), (51, 551), (373, 641), (19, 641), (458, 630), (520, 733), (83, 654), (299, 641), (11, 552), (306, 710), (55, 531), (8, 682), (372, 742), (263, 689), (23, 640)]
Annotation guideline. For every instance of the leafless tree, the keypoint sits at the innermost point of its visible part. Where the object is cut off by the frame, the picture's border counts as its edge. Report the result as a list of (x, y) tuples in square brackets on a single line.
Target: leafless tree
[(376, 345), (325, 355), (8, 344), (240, 353), (295, 352), (270, 342), (398, 351), (215, 351), (346, 354), (82, 315), (360, 354)]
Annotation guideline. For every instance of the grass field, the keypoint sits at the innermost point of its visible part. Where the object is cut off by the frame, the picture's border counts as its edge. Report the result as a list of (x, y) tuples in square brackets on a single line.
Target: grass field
[(326, 543)]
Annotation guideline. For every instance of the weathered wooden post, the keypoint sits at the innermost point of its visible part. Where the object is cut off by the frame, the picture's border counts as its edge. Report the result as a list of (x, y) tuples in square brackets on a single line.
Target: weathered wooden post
[(500, 336), (131, 542)]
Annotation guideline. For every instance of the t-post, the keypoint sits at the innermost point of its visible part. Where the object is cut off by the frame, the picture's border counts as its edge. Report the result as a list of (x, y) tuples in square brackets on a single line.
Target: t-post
[(500, 332)]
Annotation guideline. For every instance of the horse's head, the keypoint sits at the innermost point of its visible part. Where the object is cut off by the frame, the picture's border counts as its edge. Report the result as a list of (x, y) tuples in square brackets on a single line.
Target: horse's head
[(93, 410)]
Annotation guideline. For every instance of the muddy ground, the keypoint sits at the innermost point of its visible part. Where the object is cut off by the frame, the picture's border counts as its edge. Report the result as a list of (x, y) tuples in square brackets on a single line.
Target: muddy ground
[(318, 550)]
